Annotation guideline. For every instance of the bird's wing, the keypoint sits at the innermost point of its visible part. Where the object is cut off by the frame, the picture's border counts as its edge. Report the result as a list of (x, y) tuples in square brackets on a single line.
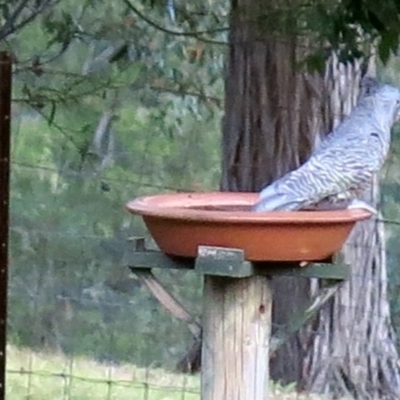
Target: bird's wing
[(335, 170)]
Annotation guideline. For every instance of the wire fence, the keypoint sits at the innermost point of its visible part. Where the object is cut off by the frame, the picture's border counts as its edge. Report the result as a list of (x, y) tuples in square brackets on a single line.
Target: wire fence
[(76, 322)]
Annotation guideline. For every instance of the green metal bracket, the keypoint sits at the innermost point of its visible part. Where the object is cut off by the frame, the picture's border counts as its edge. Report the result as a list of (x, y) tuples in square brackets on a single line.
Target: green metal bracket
[(219, 261), (222, 262)]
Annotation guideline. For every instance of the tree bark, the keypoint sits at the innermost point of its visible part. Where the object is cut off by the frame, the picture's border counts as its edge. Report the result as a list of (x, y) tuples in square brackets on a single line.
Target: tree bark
[(352, 347), (274, 114)]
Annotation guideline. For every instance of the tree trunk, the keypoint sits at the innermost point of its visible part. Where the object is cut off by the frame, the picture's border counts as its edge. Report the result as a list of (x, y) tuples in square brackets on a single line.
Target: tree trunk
[(274, 113), (351, 343)]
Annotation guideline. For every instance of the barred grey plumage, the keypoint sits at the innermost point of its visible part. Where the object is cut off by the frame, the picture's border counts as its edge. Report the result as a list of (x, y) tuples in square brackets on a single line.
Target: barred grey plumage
[(343, 165)]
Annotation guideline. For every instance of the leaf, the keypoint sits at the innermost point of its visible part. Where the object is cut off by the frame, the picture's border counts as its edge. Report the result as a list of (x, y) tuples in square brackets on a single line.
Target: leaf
[(375, 21), (119, 53), (316, 62), (4, 10), (388, 44), (52, 113)]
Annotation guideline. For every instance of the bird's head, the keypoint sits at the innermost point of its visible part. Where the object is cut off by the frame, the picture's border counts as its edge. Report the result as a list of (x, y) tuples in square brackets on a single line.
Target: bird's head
[(384, 100)]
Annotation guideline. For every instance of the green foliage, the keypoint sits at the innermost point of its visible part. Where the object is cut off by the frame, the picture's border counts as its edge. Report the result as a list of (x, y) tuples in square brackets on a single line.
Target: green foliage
[(68, 235), (70, 177)]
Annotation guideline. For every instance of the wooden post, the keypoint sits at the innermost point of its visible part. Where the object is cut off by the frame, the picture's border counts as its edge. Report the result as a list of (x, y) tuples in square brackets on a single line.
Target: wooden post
[(236, 334), (5, 117), (236, 343)]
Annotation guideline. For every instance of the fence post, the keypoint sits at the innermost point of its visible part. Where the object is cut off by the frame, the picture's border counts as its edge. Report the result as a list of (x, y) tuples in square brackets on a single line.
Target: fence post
[(5, 117)]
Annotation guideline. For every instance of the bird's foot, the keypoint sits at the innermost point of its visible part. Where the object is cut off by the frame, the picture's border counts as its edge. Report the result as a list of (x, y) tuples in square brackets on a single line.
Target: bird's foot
[(354, 204)]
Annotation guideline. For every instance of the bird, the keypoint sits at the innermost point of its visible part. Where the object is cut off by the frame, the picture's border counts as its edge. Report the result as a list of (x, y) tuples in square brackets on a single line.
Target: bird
[(343, 165)]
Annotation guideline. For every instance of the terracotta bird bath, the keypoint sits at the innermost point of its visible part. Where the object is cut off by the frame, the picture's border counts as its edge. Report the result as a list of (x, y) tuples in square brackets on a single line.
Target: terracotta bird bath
[(179, 223), (238, 251)]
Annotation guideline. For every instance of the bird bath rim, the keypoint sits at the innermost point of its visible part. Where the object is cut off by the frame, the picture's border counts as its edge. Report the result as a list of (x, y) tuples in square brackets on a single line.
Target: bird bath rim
[(187, 206)]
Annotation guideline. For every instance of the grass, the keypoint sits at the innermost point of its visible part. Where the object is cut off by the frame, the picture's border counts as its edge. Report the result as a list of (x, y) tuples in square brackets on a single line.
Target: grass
[(48, 376), (42, 376)]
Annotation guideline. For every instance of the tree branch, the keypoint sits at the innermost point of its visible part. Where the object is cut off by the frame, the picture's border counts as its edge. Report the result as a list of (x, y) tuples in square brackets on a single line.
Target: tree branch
[(168, 31), (203, 97), (12, 19), (11, 27)]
